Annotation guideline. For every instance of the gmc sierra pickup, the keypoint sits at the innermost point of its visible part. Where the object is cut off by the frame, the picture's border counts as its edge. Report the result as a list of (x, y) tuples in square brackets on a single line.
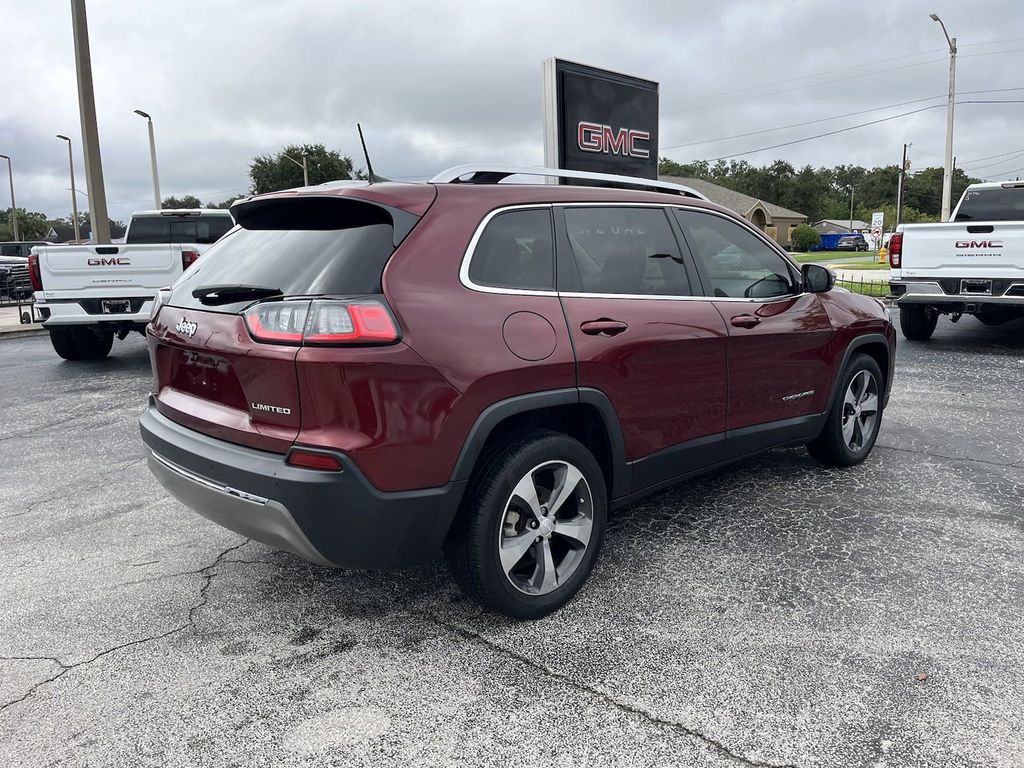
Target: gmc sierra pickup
[(87, 294), (972, 265)]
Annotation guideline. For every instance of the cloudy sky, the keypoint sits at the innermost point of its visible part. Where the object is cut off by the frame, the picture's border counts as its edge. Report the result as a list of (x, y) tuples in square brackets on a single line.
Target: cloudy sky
[(440, 83)]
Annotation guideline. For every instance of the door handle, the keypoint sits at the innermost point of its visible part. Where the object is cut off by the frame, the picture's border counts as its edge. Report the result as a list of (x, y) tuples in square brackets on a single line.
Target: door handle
[(603, 327), (745, 321)]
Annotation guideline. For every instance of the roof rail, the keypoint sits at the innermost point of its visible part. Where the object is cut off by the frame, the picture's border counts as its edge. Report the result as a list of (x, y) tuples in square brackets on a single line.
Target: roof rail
[(492, 174)]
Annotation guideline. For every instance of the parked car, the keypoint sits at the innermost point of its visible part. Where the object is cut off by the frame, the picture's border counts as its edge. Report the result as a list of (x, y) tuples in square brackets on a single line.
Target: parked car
[(972, 265), (368, 374), (14, 282), (18, 249), (852, 243), (87, 294)]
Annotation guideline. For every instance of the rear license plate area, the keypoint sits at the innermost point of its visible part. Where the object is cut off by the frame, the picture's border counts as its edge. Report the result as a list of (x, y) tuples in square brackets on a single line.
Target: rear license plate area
[(978, 287), (115, 306)]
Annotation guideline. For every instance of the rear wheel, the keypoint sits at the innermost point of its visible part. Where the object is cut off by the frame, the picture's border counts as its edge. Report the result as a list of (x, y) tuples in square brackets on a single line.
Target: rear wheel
[(851, 425), (917, 321), (73, 343), (531, 527)]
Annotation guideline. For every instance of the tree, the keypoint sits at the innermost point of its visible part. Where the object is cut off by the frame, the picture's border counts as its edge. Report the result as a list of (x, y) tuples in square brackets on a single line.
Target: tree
[(31, 225), (805, 237), (270, 173), (185, 201), (225, 203)]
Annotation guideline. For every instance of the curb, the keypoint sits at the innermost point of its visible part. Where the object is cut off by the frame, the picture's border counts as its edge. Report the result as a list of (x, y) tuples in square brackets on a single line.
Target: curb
[(20, 331)]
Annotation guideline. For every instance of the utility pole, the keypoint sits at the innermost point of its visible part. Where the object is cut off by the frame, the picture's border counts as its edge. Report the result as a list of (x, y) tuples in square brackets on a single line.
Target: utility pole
[(851, 209), (303, 165), (14, 207), (947, 175), (90, 131), (902, 182), (152, 159), (74, 198)]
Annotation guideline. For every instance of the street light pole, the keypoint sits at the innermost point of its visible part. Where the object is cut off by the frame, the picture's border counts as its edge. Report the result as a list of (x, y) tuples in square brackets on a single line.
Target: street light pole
[(152, 158), (303, 165), (14, 207), (74, 198), (947, 172)]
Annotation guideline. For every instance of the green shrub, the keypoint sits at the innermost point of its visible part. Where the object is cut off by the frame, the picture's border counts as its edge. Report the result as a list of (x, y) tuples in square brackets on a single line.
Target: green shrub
[(805, 237)]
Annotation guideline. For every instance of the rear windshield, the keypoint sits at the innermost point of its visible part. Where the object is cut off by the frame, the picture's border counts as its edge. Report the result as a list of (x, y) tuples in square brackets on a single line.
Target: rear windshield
[(992, 205), (157, 230), (297, 255)]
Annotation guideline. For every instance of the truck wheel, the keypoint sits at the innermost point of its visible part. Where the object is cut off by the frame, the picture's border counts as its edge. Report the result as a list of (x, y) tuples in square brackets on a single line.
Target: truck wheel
[(531, 525), (918, 322), (81, 343), (851, 425)]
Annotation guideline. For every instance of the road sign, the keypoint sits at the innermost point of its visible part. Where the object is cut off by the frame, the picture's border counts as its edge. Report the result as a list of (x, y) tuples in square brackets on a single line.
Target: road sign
[(877, 220), (876, 231)]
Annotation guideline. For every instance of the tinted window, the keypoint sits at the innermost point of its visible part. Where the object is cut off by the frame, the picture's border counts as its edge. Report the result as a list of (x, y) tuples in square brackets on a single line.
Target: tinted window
[(992, 205), (515, 251), (738, 263), (304, 261), (627, 251), (200, 230)]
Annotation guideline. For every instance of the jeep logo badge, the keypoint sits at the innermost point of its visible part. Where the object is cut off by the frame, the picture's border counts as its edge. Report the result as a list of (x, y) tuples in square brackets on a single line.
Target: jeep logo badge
[(186, 328)]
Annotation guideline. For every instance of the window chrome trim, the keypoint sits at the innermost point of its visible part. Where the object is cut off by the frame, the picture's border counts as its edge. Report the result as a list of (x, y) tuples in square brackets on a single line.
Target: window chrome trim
[(467, 258)]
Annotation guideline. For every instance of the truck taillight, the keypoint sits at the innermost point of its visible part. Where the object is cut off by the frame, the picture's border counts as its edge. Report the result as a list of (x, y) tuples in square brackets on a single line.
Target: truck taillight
[(34, 275), (322, 322), (188, 258), (895, 250)]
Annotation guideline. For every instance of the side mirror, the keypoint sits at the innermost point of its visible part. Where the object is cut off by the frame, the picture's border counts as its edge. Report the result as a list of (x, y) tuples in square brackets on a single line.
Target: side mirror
[(818, 279)]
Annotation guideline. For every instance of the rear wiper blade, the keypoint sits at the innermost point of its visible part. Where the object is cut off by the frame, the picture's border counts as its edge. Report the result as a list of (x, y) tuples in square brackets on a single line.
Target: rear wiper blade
[(225, 294)]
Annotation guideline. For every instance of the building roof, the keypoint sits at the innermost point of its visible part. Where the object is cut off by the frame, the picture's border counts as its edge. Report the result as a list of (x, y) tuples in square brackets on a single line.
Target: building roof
[(844, 223), (733, 200)]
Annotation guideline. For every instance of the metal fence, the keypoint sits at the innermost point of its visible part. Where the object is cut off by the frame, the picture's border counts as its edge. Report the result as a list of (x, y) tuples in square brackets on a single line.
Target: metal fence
[(865, 285)]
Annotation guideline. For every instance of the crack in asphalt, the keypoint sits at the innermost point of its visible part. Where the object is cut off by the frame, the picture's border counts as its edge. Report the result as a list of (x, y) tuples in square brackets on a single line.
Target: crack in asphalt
[(208, 572), (625, 707), (950, 458), (64, 491)]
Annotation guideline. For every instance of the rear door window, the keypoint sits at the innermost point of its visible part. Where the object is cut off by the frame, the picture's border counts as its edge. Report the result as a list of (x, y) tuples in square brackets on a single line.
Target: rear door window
[(159, 230), (992, 205), (629, 251), (516, 252)]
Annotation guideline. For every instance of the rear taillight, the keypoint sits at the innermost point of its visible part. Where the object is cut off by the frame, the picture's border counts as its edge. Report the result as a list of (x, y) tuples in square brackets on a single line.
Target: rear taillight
[(300, 457), (895, 250), (188, 258), (324, 322), (34, 275)]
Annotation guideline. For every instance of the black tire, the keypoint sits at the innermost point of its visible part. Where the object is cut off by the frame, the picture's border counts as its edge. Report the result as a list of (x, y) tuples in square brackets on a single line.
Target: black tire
[(917, 321), (73, 343), (472, 548), (831, 447)]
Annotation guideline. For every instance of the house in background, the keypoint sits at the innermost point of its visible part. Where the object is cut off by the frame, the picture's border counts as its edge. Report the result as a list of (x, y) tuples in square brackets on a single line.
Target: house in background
[(774, 220), (840, 226)]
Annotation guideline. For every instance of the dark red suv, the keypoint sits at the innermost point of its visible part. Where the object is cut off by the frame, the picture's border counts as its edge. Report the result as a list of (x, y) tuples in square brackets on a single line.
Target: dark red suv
[(366, 374)]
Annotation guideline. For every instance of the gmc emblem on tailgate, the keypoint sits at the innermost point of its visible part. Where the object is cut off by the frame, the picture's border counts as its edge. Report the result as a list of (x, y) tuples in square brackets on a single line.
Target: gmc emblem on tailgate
[(594, 137), (120, 261), (979, 243)]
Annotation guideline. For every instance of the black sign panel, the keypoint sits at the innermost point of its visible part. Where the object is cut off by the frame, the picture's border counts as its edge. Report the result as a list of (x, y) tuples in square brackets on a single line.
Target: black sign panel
[(606, 122)]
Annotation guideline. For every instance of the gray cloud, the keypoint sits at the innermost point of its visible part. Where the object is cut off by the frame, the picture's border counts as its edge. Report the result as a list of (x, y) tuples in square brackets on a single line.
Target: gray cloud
[(442, 82)]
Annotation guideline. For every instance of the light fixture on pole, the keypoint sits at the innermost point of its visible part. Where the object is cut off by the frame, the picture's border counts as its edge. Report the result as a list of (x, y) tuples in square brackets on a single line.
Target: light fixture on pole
[(152, 158), (14, 207), (947, 169), (303, 165), (74, 197)]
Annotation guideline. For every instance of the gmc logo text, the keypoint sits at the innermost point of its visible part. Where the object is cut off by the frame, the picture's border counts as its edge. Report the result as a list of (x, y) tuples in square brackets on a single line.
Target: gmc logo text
[(120, 261), (979, 244), (594, 137)]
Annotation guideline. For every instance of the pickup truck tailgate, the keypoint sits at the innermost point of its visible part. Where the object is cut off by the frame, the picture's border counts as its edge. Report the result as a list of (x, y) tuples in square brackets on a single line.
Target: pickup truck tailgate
[(77, 268), (989, 250)]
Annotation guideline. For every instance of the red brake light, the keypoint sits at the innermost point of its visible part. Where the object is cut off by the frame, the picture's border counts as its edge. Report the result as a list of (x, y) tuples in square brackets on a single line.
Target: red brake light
[(188, 258), (324, 322), (895, 250), (34, 275), (310, 460)]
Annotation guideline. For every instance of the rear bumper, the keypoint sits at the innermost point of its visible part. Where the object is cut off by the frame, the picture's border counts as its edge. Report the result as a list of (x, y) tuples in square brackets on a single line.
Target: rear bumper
[(331, 518), (73, 313), (930, 292)]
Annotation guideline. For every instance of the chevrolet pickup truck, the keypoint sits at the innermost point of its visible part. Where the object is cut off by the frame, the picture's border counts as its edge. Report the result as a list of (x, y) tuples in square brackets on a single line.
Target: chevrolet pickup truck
[(88, 294), (972, 265)]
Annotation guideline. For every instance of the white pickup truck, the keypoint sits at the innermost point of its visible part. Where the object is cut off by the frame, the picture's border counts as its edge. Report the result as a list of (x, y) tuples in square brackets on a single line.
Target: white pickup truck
[(972, 265), (87, 294)]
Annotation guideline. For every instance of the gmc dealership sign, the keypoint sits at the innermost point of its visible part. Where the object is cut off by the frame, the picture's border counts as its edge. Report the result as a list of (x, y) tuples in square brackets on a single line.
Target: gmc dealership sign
[(597, 120)]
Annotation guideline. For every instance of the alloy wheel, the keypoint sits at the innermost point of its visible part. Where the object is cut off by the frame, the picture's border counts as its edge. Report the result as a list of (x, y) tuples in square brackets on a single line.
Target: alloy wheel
[(860, 411), (546, 527)]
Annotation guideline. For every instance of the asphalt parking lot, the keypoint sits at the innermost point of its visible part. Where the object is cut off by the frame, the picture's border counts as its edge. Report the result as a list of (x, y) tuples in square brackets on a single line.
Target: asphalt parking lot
[(774, 613)]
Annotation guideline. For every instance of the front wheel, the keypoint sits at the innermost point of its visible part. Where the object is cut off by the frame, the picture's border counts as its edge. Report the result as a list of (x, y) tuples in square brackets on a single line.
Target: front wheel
[(917, 321), (531, 526), (852, 423)]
